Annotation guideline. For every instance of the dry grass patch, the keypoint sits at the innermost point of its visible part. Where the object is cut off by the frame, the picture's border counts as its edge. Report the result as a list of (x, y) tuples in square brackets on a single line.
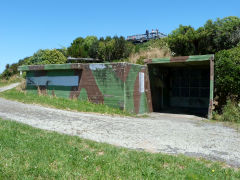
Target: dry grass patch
[(13, 79), (149, 54)]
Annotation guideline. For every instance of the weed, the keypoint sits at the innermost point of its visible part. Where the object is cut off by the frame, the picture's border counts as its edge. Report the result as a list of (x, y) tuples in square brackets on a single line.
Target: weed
[(13, 79), (230, 113)]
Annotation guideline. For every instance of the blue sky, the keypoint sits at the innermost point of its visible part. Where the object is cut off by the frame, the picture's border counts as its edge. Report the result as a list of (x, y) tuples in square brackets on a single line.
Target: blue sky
[(29, 25)]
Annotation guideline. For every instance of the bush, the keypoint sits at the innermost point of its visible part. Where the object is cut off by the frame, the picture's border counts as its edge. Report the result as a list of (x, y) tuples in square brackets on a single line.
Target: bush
[(154, 43), (11, 70), (141, 60), (212, 37), (227, 77), (230, 113), (149, 54), (47, 57), (108, 49)]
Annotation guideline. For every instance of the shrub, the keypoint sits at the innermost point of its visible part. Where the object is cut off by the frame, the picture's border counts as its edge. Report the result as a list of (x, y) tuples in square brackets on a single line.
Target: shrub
[(140, 60), (106, 49), (230, 113), (149, 54), (161, 43), (212, 37), (227, 74), (9, 71), (47, 57)]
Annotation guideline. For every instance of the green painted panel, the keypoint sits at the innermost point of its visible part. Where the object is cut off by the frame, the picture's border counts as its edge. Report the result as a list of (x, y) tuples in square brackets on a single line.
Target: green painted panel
[(23, 68), (59, 91), (53, 73), (111, 86), (211, 89), (83, 95), (129, 87), (30, 74), (143, 104), (32, 89), (190, 58), (65, 66), (200, 57), (46, 67), (57, 66), (60, 73), (161, 60)]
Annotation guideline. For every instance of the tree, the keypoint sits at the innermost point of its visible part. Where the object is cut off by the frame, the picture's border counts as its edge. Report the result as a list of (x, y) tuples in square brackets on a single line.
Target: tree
[(88, 41), (93, 50), (119, 47), (224, 29), (227, 69), (91, 45), (7, 66), (63, 50), (183, 41), (47, 57), (106, 48), (235, 36), (209, 39), (77, 48)]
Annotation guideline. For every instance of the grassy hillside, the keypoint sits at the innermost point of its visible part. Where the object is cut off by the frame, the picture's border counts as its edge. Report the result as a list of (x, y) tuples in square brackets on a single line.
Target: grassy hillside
[(30, 153)]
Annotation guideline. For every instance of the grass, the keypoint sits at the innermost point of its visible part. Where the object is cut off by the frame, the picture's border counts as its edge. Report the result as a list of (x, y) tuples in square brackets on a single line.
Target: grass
[(30, 153), (149, 54), (14, 79), (61, 103), (230, 113)]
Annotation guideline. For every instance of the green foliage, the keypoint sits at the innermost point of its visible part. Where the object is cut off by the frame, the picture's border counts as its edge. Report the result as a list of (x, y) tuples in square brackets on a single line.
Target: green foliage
[(92, 46), (114, 48), (11, 70), (227, 72), (31, 153), (154, 43), (141, 60), (230, 112), (209, 39), (81, 47), (182, 40), (107, 49), (63, 50), (89, 41), (47, 57), (77, 48), (55, 56), (225, 29)]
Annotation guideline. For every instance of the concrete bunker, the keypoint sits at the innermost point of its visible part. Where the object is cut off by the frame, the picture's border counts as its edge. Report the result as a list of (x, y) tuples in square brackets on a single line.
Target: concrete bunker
[(119, 85), (178, 84), (182, 84)]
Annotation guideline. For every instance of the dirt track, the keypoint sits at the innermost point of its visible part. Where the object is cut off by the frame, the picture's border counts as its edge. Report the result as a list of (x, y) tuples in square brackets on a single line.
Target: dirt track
[(167, 133)]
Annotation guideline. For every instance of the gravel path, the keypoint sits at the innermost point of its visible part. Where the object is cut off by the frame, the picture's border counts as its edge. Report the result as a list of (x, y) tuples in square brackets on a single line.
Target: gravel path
[(5, 88), (167, 133)]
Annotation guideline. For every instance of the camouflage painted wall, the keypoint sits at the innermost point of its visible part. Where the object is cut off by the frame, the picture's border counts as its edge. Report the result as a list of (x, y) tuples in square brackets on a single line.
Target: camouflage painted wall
[(120, 85)]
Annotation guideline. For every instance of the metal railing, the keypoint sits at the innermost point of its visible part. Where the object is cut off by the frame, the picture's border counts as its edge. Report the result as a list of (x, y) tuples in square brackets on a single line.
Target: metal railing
[(146, 37)]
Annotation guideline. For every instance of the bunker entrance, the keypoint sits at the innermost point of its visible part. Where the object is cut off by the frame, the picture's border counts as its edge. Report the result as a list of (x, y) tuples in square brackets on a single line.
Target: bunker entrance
[(181, 88)]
